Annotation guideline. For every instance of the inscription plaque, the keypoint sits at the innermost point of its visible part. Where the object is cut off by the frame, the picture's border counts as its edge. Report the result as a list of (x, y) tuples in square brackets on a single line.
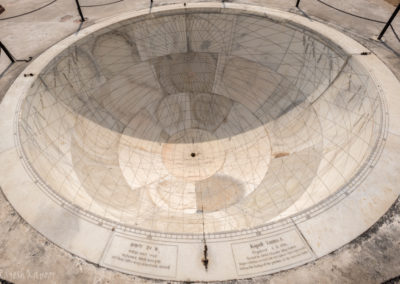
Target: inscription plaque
[(141, 257), (270, 253)]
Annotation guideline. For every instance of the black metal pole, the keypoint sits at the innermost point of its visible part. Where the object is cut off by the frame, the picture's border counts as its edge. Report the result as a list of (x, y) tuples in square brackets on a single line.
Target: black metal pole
[(297, 3), (8, 53), (389, 22), (80, 10)]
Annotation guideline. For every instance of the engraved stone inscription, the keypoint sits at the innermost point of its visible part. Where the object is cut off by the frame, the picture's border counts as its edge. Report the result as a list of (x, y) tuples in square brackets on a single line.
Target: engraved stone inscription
[(141, 257), (270, 253)]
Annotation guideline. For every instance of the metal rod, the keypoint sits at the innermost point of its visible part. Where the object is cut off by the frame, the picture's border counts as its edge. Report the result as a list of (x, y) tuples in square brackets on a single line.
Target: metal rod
[(389, 22), (7, 52), (9, 55), (297, 3), (80, 10)]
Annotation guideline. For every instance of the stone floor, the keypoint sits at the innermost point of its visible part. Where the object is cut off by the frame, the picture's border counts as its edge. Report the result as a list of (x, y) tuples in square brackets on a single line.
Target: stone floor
[(27, 257)]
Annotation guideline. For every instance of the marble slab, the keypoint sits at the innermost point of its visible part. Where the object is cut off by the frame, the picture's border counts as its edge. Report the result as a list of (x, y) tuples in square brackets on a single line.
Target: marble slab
[(202, 142)]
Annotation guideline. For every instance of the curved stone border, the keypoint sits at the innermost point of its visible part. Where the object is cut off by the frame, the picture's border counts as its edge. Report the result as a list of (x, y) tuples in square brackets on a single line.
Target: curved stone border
[(233, 254)]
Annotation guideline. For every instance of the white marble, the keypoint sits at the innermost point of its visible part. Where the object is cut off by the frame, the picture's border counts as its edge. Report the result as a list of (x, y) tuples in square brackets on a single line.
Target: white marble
[(150, 134)]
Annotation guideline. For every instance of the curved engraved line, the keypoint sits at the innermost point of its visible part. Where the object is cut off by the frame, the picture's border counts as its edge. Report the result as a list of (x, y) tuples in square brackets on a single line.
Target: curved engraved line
[(299, 217), (30, 12)]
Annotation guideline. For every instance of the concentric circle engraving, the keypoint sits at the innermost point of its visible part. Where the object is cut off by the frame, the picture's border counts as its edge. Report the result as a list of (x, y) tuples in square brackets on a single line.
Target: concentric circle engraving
[(166, 132)]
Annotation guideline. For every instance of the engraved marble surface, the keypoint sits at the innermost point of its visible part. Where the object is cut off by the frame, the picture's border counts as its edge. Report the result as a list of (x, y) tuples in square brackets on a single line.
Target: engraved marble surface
[(186, 122)]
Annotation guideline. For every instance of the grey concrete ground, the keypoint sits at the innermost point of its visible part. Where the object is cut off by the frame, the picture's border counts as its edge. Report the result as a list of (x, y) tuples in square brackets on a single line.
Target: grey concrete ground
[(27, 257)]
